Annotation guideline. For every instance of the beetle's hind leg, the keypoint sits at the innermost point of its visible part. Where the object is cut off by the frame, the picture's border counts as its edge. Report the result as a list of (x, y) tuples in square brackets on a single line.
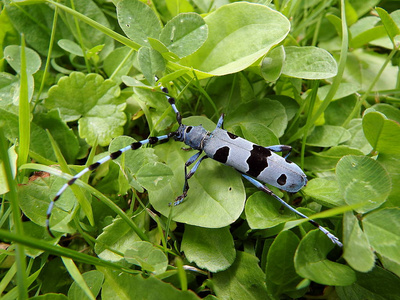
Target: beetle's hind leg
[(263, 188)]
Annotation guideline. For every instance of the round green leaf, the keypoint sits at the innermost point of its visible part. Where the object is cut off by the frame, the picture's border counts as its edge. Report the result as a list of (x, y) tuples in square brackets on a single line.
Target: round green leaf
[(272, 64), (71, 47), (93, 101), (243, 280), (363, 180), (381, 133), (151, 63), (263, 211), (138, 21), (328, 136), (238, 35), (310, 261), (324, 191), (94, 280), (184, 34), (280, 265), (145, 255), (12, 54), (357, 251), (117, 236), (275, 119), (120, 285), (309, 63), (209, 248), (383, 231), (378, 284)]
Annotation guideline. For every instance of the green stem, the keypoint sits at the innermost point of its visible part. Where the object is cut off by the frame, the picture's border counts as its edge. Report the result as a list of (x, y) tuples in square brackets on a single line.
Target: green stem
[(361, 100), (336, 80)]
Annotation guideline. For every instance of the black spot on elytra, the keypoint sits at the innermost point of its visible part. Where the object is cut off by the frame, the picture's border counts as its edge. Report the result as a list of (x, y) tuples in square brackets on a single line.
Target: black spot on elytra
[(188, 129), (282, 179), (221, 154), (232, 136), (258, 160)]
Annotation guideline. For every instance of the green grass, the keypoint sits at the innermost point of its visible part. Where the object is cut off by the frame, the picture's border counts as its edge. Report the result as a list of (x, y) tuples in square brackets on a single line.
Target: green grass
[(77, 82)]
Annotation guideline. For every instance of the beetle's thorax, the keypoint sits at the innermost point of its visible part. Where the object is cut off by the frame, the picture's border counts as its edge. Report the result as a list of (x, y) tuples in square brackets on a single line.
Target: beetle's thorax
[(193, 136)]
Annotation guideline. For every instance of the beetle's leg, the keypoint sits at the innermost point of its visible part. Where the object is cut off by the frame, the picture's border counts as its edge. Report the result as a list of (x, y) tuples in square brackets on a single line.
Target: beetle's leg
[(220, 123), (191, 160), (280, 148), (263, 188)]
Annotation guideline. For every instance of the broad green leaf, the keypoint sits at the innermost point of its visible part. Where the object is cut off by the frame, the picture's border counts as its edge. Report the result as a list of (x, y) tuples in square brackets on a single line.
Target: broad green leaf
[(70, 47), (311, 262), (9, 92), (391, 163), (257, 133), (115, 239), (35, 198), (362, 180), (94, 280), (382, 229), (309, 63), (390, 25), (357, 250), (210, 249), (361, 69), (272, 64), (13, 56), (119, 285), (118, 63), (177, 7), (368, 36), (184, 34), (358, 140), (327, 160), (147, 256), (263, 211), (151, 63), (76, 275), (62, 134), (339, 110), (324, 191), (90, 37), (327, 136), (154, 106), (390, 112), (379, 284), (216, 196), (39, 142), (138, 21), (154, 176), (345, 89), (381, 133), (37, 27), (234, 45), (38, 232), (93, 102), (142, 165), (243, 280), (275, 119), (280, 265)]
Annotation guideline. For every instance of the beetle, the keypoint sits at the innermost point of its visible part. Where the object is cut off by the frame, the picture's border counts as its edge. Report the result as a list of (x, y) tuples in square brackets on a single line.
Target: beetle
[(256, 163)]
